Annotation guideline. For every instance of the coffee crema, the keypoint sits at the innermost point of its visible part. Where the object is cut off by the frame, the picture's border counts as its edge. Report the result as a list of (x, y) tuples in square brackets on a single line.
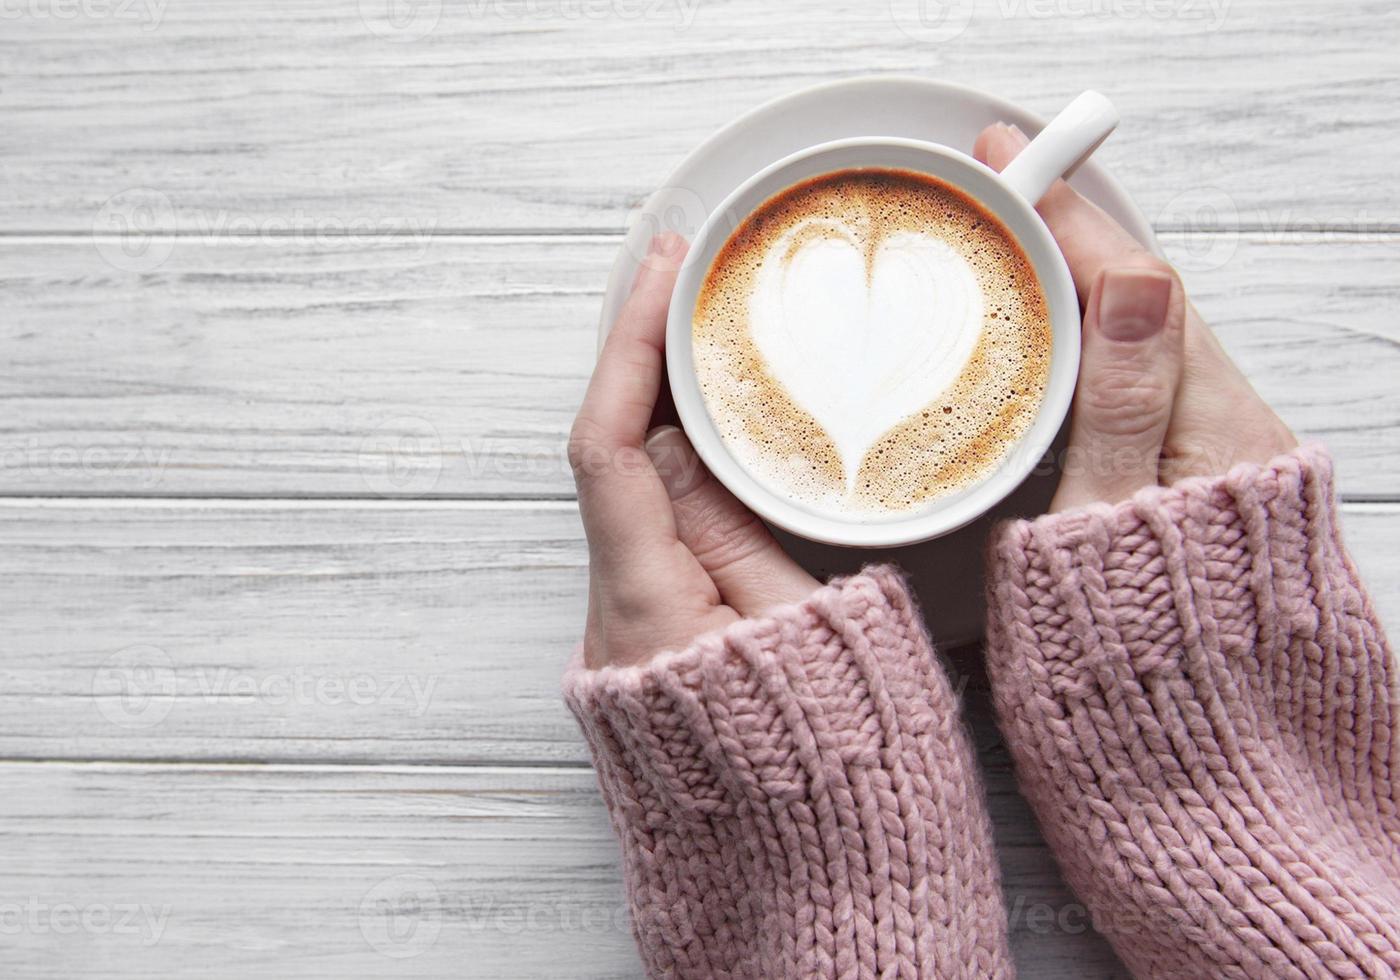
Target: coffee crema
[(870, 340)]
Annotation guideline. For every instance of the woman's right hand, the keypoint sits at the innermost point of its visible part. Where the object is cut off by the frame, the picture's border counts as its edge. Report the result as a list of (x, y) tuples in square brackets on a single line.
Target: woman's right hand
[(1158, 399), (672, 554)]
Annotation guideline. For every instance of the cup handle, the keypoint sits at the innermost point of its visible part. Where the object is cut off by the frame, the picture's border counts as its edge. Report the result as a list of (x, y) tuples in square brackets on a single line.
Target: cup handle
[(1061, 146)]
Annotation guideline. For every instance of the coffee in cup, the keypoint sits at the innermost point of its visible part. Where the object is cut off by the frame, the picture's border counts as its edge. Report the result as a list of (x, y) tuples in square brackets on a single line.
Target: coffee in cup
[(871, 340), (861, 329)]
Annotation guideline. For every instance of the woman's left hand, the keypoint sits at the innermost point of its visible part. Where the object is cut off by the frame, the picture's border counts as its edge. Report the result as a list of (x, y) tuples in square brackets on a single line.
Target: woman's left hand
[(671, 553)]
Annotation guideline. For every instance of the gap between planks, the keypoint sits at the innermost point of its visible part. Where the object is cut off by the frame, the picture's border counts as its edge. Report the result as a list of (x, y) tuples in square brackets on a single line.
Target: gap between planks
[(1378, 503), (390, 766), (1320, 233)]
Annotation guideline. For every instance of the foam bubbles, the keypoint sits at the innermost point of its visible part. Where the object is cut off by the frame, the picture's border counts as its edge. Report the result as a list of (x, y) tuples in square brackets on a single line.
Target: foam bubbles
[(871, 340)]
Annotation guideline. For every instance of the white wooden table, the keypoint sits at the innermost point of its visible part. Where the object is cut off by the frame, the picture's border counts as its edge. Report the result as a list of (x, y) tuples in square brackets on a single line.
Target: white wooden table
[(296, 302)]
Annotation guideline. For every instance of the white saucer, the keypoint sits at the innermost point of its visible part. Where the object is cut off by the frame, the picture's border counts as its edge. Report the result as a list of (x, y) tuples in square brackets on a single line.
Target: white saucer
[(947, 572)]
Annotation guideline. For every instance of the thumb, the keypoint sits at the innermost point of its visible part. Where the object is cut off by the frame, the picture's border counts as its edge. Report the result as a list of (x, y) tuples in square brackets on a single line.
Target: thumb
[(749, 568), (1129, 371)]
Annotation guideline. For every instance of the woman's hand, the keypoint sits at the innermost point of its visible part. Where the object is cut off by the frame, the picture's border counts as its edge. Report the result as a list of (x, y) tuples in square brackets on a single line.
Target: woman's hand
[(1158, 398), (671, 553)]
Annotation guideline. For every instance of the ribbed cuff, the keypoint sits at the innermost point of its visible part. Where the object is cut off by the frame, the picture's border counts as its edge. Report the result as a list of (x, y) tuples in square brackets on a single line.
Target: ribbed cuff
[(1233, 564), (796, 797), (749, 711)]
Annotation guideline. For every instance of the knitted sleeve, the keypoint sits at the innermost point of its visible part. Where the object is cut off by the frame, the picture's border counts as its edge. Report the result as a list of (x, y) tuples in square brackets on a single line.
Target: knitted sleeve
[(796, 798), (1202, 709)]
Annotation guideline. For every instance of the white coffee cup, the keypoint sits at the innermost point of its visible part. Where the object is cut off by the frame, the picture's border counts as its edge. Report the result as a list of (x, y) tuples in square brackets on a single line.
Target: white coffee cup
[(1011, 196)]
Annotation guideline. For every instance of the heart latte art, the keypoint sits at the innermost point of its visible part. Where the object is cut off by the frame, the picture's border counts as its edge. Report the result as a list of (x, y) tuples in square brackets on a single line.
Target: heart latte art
[(871, 340)]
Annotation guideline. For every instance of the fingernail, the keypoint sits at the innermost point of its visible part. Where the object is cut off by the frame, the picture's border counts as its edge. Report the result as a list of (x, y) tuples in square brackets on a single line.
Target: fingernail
[(1021, 137), (1133, 303), (673, 459)]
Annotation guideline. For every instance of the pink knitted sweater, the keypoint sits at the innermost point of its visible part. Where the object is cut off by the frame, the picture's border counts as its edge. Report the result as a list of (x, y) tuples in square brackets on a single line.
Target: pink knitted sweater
[(1200, 703)]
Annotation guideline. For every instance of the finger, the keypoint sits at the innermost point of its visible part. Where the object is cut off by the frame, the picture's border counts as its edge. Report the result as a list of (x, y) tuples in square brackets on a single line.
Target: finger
[(746, 563), (627, 378), (1128, 377), (624, 506), (1090, 240)]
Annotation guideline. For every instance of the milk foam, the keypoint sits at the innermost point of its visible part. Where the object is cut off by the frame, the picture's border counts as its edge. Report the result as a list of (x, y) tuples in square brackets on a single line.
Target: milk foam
[(869, 341), (863, 337)]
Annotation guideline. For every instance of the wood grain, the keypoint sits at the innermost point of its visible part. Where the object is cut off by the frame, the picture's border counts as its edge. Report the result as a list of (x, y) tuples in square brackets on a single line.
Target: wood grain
[(343, 872), (289, 249), (532, 114), (452, 367), (275, 632)]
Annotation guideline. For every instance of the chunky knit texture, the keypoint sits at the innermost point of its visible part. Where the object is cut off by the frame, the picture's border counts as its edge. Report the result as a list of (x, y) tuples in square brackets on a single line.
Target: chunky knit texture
[(796, 798), (1200, 703), (1202, 710)]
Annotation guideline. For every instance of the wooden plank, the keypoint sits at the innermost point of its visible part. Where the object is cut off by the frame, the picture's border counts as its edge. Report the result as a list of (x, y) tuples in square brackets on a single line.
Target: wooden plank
[(269, 631), (453, 367), (343, 872), (392, 632), (527, 114), (308, 872)]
